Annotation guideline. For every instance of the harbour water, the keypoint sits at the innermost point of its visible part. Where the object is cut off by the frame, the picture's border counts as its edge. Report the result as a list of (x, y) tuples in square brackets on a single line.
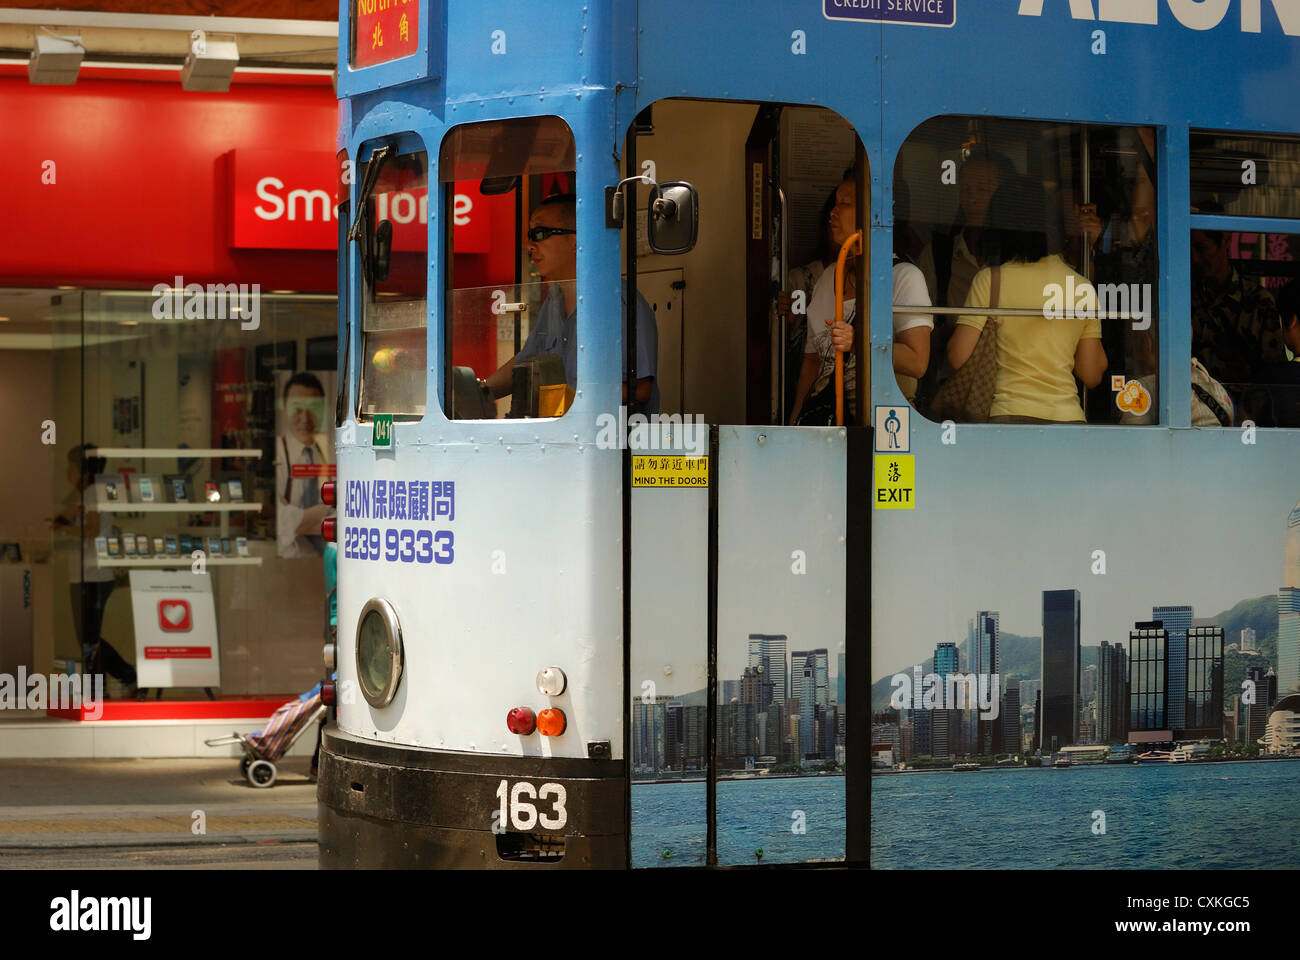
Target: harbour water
[(1194, 816), (668, 821), (1182, 817)]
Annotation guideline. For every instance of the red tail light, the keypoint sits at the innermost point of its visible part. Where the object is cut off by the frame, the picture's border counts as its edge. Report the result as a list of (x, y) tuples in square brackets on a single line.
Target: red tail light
[(327, 693), (551, 722), (521, 721), (327, 529), (327, 493)]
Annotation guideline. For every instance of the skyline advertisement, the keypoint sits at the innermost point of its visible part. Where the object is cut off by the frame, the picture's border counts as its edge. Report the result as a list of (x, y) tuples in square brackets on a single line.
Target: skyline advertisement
[(1169, 528)]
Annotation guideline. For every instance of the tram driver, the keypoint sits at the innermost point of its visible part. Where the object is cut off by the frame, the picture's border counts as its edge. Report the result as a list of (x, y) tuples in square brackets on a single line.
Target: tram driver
[(553, 248)]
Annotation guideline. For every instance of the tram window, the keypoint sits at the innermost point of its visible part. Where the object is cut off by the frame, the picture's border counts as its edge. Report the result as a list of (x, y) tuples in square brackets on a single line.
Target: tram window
[(1245, 282), (1063, 216), (393, 249), (512, 333)]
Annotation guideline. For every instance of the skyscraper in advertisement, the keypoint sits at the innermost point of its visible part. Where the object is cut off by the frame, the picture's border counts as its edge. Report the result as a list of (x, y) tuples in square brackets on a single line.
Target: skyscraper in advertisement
[(1176, 620), (1288, 639), (1112, 685), (767, 651), (1060, 660), (803, 675), (984, 652), (1009, 718), (1255, 715), (1148, 677), (944, 721), (1203, 716), (1247, 640), (649, 726), (1291, 559), (810, 681), (840, 693)]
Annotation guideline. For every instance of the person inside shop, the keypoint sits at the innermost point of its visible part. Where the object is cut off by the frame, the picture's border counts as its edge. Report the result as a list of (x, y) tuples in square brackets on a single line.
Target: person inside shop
[(553, 249), (89, 583), (300, 454)]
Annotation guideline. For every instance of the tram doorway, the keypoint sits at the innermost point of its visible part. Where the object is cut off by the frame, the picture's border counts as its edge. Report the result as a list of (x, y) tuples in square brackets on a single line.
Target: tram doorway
[(740, 525)]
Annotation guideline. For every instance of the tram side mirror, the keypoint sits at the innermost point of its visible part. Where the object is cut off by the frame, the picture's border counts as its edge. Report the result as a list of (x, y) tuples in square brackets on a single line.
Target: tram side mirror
[(383, 252), (495, 186), (674, 221)]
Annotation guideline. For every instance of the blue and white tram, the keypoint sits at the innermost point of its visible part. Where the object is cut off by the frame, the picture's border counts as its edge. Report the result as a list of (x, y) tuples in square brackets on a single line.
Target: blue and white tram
[(546, 596)]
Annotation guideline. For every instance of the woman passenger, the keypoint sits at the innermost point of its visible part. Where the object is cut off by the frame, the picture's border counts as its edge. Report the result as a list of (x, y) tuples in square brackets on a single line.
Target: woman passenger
[(1037, 356)]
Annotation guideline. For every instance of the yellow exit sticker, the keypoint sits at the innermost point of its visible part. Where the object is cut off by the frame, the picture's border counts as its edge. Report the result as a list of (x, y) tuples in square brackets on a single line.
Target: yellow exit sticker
[(659, 471), (895, 482)]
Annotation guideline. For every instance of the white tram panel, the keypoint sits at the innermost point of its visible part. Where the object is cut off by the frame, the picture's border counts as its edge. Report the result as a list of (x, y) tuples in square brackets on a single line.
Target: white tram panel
[(535, 582)]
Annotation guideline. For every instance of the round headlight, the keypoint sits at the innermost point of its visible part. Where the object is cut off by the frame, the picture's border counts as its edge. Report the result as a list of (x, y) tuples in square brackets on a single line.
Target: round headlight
[(551, 681), (379, 652)]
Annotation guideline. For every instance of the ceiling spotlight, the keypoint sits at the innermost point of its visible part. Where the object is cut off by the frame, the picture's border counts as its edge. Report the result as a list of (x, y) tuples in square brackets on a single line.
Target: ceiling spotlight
[(210, 63), (55, 59)]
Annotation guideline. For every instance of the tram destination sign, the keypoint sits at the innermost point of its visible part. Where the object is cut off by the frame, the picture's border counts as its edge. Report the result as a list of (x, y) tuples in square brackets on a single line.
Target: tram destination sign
[(920, 13), (384, 30)]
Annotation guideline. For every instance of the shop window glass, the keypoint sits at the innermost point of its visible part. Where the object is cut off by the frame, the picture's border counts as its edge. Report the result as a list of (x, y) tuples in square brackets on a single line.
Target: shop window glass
[(1066, 213), (392, 237), (1245, 290), (508, 194)]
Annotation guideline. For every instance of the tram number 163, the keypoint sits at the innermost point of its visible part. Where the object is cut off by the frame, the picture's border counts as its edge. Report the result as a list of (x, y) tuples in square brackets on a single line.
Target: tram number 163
[(519, 811)]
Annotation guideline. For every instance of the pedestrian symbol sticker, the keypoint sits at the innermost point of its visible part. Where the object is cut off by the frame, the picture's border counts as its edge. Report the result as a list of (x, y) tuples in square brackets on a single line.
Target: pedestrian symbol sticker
[(895, 482), (893, 429)]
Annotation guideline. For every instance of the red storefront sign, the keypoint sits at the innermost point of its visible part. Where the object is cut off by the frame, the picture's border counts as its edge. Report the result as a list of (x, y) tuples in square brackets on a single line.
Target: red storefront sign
[(155, 197), (384, 30), (286, 200)]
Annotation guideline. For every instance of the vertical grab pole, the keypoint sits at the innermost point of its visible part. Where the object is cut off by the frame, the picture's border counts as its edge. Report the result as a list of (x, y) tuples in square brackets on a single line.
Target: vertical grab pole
[(711, 687), (1086, 174), (851, 242), (780, 357), (626, 361)]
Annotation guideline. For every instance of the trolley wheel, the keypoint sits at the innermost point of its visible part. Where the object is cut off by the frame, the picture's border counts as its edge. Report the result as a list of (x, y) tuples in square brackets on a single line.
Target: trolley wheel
[(261, 773)]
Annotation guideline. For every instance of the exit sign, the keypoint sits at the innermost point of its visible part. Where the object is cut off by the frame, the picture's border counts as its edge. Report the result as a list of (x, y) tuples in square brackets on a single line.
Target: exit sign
[(383, 430)]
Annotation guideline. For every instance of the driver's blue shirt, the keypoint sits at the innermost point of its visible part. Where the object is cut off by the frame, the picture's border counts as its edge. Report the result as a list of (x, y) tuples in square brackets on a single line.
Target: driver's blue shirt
[(556, 333)]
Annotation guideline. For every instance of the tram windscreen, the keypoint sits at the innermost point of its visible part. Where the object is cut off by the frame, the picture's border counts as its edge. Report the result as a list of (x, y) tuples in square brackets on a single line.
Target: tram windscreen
[(393, 250), (511, 298)]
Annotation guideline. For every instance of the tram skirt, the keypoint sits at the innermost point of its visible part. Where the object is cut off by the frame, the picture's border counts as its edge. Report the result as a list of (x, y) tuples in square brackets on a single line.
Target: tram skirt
[(384, 806)]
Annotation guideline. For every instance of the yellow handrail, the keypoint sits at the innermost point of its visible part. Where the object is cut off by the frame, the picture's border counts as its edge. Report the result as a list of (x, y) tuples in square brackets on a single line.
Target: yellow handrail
[(853, 241)]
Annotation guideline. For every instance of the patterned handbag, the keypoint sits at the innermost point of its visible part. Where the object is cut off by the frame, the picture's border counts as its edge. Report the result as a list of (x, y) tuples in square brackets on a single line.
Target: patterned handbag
[(967, 396)]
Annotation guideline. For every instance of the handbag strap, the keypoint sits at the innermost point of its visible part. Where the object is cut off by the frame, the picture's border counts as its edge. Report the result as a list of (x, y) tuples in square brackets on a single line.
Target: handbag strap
[(995, 291), (1212, 404)]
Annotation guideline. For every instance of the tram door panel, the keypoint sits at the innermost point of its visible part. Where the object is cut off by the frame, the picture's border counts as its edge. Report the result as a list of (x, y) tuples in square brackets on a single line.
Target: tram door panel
[(668, 668), (780, 647), (771, 498)]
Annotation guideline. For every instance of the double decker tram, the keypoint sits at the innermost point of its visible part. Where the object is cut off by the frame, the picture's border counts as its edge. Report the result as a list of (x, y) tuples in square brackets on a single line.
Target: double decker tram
[(630, 545)]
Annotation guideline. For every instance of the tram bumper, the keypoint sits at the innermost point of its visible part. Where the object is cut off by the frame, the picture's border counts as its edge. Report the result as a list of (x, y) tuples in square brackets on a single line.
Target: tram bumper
[(384, 806)]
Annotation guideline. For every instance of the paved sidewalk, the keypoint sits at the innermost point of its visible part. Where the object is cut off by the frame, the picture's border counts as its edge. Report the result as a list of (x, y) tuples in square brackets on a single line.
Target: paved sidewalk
[(122, 813)]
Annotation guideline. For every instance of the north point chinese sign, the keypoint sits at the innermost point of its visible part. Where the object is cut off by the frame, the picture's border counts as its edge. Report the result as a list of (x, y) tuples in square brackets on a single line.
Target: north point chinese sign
[(384, 30)]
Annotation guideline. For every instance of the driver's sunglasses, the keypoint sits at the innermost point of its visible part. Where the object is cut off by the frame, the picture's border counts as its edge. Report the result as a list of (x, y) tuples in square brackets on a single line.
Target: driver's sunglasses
[(538, 234)]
